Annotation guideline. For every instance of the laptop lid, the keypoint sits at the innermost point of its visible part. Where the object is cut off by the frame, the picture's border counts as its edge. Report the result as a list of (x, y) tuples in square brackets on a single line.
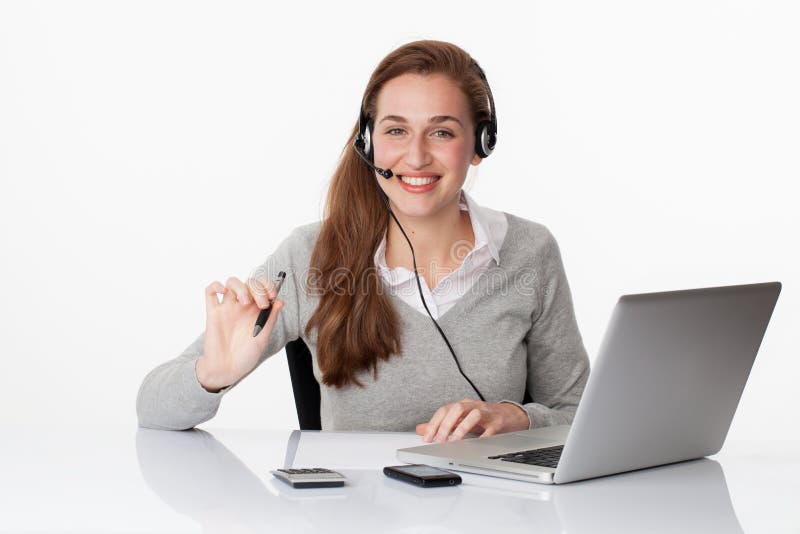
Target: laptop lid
[(667, 379)]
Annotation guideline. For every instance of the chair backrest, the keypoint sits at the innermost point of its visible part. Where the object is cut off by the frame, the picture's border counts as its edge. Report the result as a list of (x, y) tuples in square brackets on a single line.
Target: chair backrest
[(304, 385), (306, 388)]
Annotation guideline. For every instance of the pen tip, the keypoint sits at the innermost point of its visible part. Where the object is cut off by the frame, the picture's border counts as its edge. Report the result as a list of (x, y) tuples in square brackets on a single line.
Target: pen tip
[(256, 330)]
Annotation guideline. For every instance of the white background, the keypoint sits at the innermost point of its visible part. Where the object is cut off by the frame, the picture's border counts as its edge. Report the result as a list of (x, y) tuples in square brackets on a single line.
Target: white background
[(149, 148)]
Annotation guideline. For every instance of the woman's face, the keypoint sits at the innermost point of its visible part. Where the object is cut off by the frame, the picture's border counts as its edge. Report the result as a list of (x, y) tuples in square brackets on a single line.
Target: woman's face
[(423, 131)]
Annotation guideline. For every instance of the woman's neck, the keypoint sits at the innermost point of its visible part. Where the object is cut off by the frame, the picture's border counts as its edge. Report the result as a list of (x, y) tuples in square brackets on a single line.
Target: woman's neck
[(440, 242)]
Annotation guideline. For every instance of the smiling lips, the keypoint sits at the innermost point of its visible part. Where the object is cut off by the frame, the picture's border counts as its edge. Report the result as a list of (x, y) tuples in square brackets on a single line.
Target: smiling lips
[(418, 180)]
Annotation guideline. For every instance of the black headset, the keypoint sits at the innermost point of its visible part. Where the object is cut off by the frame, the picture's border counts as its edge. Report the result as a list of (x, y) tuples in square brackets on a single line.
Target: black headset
[(485, 141)]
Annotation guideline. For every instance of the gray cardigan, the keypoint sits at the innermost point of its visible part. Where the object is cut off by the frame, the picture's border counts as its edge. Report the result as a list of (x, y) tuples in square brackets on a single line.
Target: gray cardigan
[(515, 328)]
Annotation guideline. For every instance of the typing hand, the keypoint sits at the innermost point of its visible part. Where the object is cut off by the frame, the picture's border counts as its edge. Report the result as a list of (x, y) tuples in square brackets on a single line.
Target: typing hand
[(453, 421)]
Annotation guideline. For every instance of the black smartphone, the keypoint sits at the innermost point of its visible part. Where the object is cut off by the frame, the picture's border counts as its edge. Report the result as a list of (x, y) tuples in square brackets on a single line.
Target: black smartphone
[(422, 475)]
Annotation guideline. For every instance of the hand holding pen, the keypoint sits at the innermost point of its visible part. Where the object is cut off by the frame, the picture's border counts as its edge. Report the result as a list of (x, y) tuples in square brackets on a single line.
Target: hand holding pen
[(232, 347), (263, 315)]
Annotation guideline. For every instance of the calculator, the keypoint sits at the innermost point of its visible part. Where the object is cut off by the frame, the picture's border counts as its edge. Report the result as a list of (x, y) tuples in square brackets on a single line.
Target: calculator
[(310, 478)]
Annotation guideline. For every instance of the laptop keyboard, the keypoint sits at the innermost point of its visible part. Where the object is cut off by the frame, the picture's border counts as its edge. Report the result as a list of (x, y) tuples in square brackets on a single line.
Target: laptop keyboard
[(547, 457)]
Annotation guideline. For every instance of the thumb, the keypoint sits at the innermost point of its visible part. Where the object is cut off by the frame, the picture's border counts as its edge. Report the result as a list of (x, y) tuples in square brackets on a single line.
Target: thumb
[(263, 335), (421, 428)]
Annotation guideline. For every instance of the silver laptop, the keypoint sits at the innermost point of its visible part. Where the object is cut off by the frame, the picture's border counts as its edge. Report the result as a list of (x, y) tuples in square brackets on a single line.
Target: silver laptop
[(664, 387)]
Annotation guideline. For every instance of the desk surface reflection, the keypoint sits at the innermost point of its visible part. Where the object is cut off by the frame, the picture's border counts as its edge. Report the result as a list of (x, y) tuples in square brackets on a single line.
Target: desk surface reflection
[(128, 479)]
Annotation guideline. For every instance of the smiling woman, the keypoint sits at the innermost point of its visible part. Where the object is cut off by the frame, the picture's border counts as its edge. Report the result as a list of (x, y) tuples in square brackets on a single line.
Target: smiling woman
[(422, 310)]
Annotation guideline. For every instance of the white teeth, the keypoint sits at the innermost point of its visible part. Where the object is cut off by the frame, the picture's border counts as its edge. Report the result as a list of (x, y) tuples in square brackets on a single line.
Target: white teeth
[(418, 181)]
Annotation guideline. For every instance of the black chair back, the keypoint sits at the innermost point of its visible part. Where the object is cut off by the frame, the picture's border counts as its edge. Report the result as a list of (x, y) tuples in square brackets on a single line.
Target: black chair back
[(304, 385)]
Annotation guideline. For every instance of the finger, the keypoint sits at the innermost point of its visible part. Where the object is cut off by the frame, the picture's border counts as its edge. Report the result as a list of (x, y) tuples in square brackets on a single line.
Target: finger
[(262, 290), (241, 291), (421, 428), (433, 424), (454, 415), (212, 294), (466, 424), (490, 431), (263, 335)]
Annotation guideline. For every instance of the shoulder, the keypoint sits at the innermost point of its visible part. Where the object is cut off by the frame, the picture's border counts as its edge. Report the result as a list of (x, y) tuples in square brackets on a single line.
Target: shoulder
[(305, 235), (296, 248), (301, 238), (528, 237), (532, 253)]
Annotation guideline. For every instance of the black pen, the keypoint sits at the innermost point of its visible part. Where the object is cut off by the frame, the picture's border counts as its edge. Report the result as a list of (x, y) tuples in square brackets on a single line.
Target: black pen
[(263, 315)]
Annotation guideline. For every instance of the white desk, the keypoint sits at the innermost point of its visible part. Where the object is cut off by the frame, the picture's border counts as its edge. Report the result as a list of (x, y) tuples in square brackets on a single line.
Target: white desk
[(125, 479)]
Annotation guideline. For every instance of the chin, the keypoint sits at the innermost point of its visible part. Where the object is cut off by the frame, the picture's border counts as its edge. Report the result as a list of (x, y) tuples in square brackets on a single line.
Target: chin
[(421, 205)]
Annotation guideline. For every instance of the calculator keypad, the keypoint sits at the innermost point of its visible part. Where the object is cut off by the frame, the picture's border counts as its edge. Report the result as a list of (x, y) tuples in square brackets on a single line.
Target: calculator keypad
[(310, 477)]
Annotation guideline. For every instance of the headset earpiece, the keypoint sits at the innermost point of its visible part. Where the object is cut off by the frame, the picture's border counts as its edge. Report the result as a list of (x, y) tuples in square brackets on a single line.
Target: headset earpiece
[(364, 137), (485, 138), (486, 131)]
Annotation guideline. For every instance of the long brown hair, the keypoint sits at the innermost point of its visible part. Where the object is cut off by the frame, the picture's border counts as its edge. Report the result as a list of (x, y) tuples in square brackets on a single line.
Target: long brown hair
[(356, 322)]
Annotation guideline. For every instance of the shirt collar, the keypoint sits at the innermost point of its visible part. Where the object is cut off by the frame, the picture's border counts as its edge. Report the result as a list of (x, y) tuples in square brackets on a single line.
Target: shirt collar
[(483, 226)]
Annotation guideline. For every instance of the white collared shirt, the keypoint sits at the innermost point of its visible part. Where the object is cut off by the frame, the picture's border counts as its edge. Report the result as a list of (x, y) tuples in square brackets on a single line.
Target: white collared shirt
[(489, 227)]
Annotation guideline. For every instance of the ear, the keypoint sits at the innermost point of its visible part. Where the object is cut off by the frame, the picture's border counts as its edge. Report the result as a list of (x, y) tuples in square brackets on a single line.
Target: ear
[(476, 159)]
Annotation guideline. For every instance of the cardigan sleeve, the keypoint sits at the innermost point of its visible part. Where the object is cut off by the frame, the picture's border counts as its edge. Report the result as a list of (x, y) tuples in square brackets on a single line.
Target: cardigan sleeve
[(170, 396), (558, 366)]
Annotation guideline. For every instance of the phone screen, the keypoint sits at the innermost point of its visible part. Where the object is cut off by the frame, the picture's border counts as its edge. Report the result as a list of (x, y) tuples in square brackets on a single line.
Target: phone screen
[(421, 470)]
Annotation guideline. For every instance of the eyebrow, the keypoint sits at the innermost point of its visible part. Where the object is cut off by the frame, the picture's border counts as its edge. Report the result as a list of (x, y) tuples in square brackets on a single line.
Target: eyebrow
[(434, 120)]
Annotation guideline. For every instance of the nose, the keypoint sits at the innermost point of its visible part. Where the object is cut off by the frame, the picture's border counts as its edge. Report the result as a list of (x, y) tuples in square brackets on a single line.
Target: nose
[(418, 155)]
